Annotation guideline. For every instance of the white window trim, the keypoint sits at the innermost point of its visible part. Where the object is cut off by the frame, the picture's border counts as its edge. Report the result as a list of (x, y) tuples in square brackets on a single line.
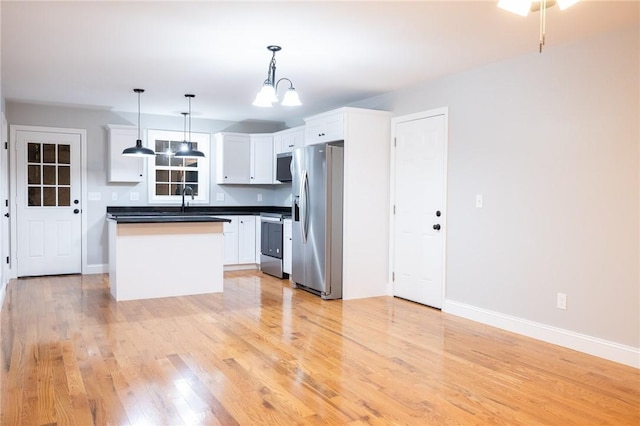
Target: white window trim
[(204, 144)]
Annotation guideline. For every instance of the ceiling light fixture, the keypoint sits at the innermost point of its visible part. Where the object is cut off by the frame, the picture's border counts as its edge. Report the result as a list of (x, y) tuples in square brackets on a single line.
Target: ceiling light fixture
[(138, 150), (186, 149), (266, 97), (522, 8)]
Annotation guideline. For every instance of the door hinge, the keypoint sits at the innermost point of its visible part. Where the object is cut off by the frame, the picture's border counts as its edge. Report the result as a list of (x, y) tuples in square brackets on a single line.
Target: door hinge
[(394, 209), (6, 145), (6, 203), (7, 260), (395, 142), (393, 276)]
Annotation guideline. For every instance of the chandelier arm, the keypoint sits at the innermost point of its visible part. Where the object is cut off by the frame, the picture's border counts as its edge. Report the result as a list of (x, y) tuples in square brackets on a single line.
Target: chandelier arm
[(284, 78)]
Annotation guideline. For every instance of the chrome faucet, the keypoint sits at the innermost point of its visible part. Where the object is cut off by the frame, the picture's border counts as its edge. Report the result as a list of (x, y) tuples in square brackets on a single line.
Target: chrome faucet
[(184, 190)]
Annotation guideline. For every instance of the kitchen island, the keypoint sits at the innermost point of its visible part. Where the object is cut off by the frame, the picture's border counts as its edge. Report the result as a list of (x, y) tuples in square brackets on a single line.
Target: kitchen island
[(155, 255)]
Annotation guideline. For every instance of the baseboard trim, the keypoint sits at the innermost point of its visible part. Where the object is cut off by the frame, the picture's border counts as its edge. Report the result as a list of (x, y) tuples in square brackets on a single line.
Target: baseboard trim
[(96, 268), (612, 351), (243, 267)]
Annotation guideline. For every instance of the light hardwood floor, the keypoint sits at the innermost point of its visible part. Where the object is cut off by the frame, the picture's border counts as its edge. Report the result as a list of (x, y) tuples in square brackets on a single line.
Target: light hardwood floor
[(265, 353)]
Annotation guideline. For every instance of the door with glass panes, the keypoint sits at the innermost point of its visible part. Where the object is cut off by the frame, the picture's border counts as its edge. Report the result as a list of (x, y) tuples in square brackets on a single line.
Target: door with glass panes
[(48, 207)]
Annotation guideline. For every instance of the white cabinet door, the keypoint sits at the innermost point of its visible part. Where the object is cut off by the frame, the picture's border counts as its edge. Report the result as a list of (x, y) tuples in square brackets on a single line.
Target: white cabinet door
[(121, 168), (233, 153), (261, 159), (247, 239), (230, 230), (287, 140), (258, 238), (324, 128), (287, 244), (278, 145)]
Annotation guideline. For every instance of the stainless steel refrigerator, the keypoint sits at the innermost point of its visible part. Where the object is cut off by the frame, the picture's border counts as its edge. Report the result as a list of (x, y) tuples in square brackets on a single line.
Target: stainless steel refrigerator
[(317, 185)]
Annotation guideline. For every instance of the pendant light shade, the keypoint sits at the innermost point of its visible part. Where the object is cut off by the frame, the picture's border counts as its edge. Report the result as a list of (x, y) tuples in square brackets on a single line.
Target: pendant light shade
[(186, 150), (138, 150)]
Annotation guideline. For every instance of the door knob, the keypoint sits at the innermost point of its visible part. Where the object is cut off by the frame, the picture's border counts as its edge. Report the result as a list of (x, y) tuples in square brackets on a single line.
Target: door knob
[(438, 213), (436, 226), (76, 211), (6, 215)]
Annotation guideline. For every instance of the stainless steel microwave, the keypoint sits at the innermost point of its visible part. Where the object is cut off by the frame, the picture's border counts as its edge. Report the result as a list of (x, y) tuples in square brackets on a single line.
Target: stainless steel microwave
[(283, 167)]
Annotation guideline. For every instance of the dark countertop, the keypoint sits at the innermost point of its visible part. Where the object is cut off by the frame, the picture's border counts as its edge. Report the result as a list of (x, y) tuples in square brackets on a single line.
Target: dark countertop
[(197, 210), (173, 214), (164, 218)]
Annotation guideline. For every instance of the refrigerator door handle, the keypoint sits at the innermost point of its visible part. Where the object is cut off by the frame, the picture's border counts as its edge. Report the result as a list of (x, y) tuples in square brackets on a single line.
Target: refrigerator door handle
[(304, 200)]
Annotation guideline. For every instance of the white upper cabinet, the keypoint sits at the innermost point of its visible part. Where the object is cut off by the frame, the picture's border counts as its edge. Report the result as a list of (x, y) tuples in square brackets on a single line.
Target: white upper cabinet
[(287, 140), (327, 127), (233, 152), (261, 158), (244, 159), (121, 168)]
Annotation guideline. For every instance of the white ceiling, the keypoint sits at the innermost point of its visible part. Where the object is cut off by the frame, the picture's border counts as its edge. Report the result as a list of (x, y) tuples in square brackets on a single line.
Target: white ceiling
[(92, 54)]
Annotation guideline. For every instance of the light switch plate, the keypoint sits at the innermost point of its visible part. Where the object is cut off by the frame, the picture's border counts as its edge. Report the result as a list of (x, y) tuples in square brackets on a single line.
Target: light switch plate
[(94, 196), (479, 201)]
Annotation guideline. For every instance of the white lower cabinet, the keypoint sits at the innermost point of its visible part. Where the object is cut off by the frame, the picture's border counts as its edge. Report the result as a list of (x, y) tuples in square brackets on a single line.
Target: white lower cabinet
[(247, 239), (240, 240), (258, 239), (286, 246), (230, 230)]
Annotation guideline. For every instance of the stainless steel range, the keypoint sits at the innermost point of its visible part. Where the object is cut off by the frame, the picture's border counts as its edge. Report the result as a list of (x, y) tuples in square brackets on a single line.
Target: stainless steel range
[(271, 242)]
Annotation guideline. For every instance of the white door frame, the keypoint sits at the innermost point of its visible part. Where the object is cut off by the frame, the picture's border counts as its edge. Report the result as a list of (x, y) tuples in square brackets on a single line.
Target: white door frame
[(13, 188), (5, 246), (392, 198)]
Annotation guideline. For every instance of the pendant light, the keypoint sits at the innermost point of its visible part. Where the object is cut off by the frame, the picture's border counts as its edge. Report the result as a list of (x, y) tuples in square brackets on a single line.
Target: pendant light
[(267, 96), (138, 150), (523, 7), (186, 150)]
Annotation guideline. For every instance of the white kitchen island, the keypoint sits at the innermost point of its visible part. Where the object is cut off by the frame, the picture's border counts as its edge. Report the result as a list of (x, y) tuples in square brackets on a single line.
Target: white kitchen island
[(162, 256)]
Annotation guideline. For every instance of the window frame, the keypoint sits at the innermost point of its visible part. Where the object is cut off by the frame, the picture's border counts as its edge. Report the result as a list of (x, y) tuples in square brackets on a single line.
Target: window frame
[(203, 141)]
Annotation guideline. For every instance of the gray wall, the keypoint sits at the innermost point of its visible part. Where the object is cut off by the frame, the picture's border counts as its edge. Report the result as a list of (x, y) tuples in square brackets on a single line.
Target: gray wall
[(94, 122), (551, 141)]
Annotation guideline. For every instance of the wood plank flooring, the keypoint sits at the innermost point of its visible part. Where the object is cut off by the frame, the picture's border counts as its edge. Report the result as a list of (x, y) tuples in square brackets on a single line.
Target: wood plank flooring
[(265, 353)]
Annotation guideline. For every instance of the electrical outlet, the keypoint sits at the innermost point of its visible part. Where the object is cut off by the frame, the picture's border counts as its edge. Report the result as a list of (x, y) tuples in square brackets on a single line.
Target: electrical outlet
[(259, 197), (562, 301), (219, 196), (479, 201), (114, 196), (134, 196)]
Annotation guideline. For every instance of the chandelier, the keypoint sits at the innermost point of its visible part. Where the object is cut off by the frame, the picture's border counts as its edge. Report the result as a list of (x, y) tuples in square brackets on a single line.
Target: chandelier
[(268, 94), (523, 7)]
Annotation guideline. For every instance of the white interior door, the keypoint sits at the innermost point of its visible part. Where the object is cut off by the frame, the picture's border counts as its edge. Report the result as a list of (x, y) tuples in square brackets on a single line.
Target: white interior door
[(420, 198), (48, 208)]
